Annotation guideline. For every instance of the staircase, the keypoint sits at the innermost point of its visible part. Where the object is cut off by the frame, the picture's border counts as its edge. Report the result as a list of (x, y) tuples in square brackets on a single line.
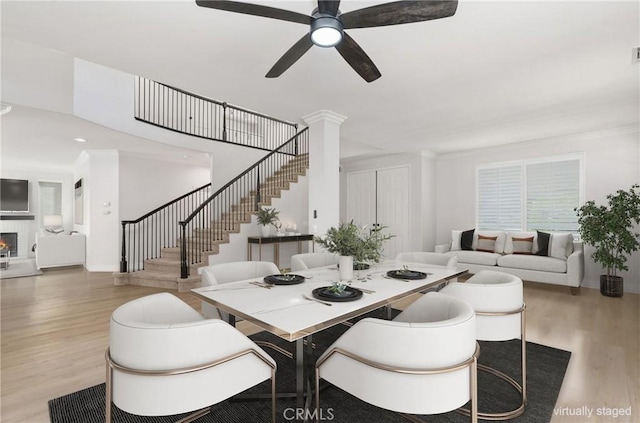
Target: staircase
[(201, 242)]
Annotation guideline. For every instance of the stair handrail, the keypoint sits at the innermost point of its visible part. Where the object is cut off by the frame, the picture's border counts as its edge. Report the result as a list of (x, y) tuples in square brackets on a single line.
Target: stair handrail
[(165, 205), (224, 103), (176, 202), (293, 141), (181, 111)]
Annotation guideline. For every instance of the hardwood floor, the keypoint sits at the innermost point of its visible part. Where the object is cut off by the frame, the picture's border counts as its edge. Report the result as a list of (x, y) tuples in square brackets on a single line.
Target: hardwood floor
[(55, 330)]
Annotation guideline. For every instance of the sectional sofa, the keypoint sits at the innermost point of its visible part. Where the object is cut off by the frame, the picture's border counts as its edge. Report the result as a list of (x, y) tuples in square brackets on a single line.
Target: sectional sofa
[(546, 257)]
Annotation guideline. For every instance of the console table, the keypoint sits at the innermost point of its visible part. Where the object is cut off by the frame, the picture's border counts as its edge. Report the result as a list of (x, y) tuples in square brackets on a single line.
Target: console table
[(276, 241)]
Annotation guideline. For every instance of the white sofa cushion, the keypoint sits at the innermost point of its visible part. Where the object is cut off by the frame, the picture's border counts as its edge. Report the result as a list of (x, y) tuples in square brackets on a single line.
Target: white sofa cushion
[(531, 262), (560, 245), (508, 246), (501, 238), (475, 257)]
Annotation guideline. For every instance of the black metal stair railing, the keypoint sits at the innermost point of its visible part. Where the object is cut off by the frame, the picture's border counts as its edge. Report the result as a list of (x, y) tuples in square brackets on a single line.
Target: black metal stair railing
[(210, 223), (181, 111), (145, 237)]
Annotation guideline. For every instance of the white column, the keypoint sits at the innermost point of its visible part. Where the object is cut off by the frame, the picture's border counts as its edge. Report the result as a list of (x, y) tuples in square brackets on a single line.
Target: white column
[(324, 168)]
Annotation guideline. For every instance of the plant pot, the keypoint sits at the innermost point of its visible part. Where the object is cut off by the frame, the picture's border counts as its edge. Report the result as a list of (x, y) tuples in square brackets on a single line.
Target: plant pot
[(611, 286), (345, 268), (265, 230)]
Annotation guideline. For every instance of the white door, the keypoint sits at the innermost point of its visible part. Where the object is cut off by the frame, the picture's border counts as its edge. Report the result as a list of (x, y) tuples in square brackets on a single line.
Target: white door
[(381, 198), (393, 208), (361, 198)]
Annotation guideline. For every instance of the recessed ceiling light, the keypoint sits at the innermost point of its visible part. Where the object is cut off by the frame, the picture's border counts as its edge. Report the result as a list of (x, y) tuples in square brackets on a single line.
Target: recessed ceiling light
[(80, 140)]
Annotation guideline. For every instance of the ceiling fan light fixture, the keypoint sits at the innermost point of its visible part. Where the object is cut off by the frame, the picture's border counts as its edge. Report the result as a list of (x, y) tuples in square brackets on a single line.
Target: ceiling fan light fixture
[(326, 31)]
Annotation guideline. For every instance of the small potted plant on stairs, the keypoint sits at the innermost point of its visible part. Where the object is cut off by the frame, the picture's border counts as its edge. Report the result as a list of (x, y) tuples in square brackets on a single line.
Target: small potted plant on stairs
[(610, 230), (354, 244), (266, 218)]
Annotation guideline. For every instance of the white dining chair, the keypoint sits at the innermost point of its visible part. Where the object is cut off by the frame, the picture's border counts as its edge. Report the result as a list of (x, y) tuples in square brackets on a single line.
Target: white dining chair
[(165, 358), (436, 259), (497, 299), (306, 261), (217, 274), (422, 362), (426, 257)]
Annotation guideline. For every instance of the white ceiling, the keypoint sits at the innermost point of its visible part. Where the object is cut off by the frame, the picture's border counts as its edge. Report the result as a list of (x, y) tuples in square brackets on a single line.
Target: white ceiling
[(494, 73)]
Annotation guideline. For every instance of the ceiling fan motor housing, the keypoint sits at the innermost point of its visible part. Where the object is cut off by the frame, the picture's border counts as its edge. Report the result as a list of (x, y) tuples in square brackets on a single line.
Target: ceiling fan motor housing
[(326, 30)]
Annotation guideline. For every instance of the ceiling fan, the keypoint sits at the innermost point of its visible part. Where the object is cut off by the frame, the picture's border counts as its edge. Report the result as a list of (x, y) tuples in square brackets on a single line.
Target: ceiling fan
[(327, 25)]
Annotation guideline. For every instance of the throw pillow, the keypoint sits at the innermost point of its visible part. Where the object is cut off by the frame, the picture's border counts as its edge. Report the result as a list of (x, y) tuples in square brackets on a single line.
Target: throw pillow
[(455, 240), (522, 245), (461, 240), (486, 243), (508, 246), (559, 245), (543, 244), (466, 240)]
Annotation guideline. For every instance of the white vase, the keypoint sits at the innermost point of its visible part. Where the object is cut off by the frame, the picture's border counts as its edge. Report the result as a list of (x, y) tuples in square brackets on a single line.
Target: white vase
[(346, 268), (265, 230)]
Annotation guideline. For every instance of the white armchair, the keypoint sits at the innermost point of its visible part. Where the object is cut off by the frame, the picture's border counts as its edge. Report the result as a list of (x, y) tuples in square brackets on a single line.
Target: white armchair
[(306, 261), (230, 272), (497, 299), (164, 358), (423, 362), (428, 258)]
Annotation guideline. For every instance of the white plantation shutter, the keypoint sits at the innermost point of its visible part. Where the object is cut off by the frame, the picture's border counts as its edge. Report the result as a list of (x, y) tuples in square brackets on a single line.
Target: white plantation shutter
[(530, 195), (500, 198), (553, 191)]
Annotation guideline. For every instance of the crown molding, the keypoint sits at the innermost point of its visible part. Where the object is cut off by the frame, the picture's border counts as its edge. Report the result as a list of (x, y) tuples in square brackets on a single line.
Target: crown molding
[(323, 115), (542, 142)]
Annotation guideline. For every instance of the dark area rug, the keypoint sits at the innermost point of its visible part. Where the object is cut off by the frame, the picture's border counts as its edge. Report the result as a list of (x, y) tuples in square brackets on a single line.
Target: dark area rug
[(546, 368)]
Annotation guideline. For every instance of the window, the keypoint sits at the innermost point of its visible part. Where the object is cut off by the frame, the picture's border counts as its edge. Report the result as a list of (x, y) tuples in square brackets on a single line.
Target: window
[(530, 195), (49, 199), (500, 198)]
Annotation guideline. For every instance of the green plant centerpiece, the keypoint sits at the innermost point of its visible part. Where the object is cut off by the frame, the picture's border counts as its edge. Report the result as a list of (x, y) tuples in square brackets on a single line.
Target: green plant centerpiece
[(405, 270), (610, 230), (266, 217), (350, 240)]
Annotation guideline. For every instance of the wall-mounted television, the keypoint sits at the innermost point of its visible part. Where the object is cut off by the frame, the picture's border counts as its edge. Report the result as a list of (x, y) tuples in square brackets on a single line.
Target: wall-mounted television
[(14, 195)]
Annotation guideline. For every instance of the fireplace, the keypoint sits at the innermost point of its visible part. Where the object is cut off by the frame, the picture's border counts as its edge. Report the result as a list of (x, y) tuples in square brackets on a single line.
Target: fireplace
[(10, 239)]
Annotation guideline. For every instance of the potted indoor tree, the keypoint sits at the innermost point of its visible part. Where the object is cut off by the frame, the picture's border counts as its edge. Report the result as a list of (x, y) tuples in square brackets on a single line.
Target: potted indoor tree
[(354, 244), (266, 217), (610, 230)]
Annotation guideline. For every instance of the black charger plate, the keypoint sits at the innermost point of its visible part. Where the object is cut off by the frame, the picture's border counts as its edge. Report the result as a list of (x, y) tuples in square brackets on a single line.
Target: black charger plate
[(349, 294), (406, 274), (288, 279)]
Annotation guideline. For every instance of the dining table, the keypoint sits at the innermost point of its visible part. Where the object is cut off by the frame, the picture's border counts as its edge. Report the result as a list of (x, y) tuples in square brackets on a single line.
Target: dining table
[(299, 305)]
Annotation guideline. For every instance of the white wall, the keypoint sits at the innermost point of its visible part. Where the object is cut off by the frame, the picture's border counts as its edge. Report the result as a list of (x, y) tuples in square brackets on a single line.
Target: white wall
[(35, 76), (99, 172), (611, 163), (146, 184)]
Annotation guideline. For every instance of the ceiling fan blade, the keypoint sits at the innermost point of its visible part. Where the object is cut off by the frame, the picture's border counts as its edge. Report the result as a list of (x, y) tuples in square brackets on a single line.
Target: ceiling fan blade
[(290, 57), (399, 12), (328, 6), (358, 59), (256, 10)]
